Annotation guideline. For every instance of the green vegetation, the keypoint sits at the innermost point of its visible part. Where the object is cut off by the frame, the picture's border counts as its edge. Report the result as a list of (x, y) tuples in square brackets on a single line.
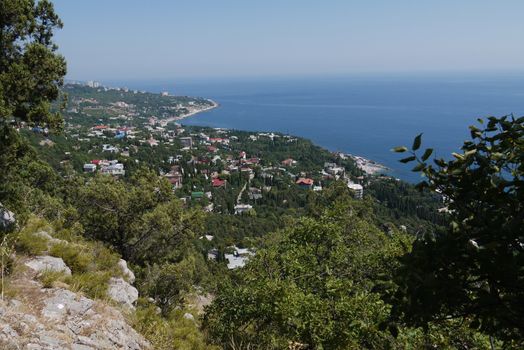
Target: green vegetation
[(440, 267), (473, 269)]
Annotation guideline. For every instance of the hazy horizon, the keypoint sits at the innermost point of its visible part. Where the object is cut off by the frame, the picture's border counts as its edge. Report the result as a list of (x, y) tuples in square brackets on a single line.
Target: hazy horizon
[(125, 40)]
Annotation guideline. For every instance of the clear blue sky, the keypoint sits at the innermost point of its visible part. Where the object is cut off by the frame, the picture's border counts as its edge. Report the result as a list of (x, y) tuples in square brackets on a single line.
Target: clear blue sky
[(170, 39)]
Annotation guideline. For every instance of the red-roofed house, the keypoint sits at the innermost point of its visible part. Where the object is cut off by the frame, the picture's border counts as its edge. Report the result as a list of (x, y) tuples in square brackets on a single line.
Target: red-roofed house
[(218, 182), (212, 149), (305, 183)]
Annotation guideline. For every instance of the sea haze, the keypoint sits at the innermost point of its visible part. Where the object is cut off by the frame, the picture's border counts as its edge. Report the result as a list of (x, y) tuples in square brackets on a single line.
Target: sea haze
[(366, 116)]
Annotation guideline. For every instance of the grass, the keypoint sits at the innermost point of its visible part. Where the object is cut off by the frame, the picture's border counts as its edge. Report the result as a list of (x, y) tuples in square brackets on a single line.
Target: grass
[(93, 284), (49, 278)]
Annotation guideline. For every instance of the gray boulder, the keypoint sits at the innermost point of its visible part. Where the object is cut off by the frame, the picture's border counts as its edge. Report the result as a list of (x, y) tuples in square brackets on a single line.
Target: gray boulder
[(122, 292), (48, 263)]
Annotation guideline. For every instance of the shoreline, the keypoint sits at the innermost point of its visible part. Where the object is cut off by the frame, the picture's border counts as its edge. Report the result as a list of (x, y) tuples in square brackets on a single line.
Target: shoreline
[(369, 166), (192, 113)]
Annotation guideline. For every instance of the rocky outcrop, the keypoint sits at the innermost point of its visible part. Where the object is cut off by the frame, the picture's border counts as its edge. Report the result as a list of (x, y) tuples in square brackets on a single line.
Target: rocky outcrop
[(122, 292), (60, 319), (44, 263)]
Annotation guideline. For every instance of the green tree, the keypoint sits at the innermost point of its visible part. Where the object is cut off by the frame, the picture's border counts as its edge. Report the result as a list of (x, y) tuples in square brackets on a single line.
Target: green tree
[(141, 219), (474, 270), (30, 69), (311, 287), (30, 75)]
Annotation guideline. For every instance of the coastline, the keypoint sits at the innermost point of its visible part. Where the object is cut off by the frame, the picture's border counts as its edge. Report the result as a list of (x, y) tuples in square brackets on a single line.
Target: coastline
[(370, 167), (192, 113)]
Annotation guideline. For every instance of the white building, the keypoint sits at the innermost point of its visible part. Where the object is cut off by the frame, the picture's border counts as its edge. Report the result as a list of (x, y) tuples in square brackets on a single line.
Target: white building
[(357, 188), (89, 168), (242, 208), (239, 258)]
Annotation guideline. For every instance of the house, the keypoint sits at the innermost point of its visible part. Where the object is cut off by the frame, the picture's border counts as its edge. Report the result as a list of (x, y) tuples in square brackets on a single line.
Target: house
[(242, 208), (114, 168), (109, 148), (289, 162), (174, 178), (305, 183), (212, 149), (216, 182), (89, 168)]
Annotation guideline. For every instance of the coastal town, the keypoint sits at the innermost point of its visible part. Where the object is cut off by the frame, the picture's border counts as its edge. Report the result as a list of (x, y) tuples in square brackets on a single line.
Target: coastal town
[(115, 132)]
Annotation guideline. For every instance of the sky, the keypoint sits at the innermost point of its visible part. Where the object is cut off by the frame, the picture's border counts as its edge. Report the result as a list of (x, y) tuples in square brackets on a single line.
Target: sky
[(171, 39)]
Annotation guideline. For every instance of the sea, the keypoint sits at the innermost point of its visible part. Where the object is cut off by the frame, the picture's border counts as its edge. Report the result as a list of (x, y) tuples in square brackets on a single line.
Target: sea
[(364, 115)]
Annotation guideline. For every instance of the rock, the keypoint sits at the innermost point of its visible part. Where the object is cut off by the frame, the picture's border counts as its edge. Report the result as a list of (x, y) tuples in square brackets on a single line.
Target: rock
[(64, 302), (122, 292), (7, 218), (50, 239), (50, 319), (189, 316), (48, 263), (128, 274)]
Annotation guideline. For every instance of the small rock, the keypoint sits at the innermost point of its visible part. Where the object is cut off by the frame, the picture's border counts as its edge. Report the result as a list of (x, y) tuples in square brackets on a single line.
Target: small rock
[(7, 218), (189, 316), (48, 263), (122, 292)]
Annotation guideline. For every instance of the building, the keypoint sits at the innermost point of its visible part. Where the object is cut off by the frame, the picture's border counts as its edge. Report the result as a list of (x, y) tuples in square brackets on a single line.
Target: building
[(216, 182), (187, 142), (89, 168), (239, 257), (242, 208), (357, 189), (305, 183), (289, 162)]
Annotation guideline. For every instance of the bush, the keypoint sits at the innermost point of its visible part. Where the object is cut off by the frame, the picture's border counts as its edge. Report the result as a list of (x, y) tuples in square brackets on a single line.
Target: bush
[(28, 242), (171, 332)]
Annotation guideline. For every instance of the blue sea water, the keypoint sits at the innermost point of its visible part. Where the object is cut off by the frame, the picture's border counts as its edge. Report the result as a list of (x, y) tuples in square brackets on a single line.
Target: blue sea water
[(362, 115)]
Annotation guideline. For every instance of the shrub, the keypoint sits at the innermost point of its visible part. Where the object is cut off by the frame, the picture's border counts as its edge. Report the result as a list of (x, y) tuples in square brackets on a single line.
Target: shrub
[(30, 243), (171, 332), (75, 256)]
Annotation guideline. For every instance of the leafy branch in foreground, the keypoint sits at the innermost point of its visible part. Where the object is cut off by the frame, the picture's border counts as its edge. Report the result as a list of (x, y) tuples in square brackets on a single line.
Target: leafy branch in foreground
[(474, 270)]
